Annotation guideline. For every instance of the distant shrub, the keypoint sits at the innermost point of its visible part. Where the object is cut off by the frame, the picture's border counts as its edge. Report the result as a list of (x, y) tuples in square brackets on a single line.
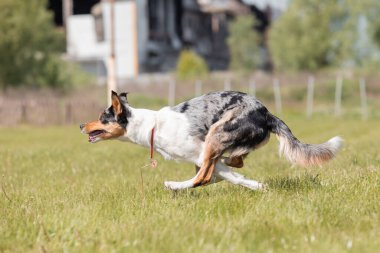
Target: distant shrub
[(243, 43), (191, 66), (62, 75)]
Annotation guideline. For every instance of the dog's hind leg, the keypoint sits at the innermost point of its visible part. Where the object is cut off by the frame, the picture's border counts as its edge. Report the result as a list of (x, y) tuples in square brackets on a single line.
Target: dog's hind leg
[(213, 149), (216, 143), (204, 175), (223, 172)]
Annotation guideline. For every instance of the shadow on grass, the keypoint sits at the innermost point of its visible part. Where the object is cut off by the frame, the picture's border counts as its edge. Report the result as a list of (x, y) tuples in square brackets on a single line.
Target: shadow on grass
[(299, 183)]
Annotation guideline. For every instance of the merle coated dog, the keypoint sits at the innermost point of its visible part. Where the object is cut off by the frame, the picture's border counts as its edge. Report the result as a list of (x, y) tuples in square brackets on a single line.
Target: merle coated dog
[(215, 131)]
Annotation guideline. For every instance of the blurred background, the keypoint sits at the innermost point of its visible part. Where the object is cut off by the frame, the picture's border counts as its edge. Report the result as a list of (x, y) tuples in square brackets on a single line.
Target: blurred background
[(60, 58)]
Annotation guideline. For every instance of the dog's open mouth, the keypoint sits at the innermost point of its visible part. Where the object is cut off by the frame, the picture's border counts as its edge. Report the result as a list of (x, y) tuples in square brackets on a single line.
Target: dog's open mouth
[(93, 135)]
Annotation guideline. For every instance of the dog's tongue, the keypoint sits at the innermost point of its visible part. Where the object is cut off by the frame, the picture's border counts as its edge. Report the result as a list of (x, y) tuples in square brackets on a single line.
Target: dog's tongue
[(92, 135), (91, 138), (95, 133)]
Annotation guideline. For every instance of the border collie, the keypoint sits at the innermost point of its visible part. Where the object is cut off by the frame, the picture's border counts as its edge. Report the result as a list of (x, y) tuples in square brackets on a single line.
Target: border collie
[(215, 131)]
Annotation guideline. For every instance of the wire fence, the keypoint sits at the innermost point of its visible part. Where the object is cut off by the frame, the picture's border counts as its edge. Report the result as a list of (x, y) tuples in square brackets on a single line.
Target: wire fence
[(306, 96), (46, 112), (356, 88)]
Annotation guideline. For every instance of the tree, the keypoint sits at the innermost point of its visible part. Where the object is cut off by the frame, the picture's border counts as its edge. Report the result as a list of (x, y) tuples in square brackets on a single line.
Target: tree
[(373, 13), (376, 33), (301, 37), (243, 43), (353, 43), (313, 34), (29, 45)]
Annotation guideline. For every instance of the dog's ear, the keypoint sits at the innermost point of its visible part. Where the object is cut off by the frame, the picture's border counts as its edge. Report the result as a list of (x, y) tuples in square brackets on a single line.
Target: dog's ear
[(123, 97), (116, 104)]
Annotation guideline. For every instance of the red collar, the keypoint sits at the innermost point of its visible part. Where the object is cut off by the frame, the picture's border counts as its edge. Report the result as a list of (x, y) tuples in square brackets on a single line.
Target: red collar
[(151, 143), (153, 162)]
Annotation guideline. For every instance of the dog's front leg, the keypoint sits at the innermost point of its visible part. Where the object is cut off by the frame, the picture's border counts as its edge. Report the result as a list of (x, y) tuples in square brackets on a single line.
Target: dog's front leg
[(222, 172), (203, 177), (190, 183)]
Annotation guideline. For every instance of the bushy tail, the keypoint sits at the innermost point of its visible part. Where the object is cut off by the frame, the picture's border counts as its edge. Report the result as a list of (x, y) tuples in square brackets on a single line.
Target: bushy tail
[(299, 153)]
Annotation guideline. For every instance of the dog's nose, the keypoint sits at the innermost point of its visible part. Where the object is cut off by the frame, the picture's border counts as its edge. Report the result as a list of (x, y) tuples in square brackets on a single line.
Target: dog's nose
[(81, 126)]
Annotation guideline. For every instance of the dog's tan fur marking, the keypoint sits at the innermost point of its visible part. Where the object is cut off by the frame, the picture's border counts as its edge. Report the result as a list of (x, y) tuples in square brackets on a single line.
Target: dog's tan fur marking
[(113, 130), (116, 104), (210, 158), (92, 126), (236, 162)]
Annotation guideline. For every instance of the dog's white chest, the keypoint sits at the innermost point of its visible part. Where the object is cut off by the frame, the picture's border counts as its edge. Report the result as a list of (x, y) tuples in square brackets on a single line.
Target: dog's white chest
[(173, 140)]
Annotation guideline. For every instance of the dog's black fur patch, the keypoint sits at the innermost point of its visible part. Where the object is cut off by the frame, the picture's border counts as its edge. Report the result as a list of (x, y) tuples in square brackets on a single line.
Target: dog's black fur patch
[(109, 116), (184, 107)]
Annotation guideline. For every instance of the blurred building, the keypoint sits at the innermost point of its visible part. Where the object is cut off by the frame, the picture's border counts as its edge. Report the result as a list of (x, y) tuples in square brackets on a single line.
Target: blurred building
[(149, 34)]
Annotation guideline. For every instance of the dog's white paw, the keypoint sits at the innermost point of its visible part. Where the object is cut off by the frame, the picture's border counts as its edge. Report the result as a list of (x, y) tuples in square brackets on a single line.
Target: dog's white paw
[(261, 187), (170, 185), (251, 184), (178, 185)]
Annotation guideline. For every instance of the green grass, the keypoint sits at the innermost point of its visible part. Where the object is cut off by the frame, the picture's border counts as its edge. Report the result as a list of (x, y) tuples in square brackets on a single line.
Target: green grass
[(62, 194)]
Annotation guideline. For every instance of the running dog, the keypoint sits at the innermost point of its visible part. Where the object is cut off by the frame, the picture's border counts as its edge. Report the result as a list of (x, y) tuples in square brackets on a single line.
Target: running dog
[(204, 129)]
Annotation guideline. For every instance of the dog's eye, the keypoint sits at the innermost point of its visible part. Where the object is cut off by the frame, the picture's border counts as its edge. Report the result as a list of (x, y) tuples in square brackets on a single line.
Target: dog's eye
[(103, 118)]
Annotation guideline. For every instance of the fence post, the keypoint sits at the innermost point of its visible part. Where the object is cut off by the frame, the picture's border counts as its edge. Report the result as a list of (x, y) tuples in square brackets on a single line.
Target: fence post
[(310, 96), (24, 116), (252, 87), (338, 96), (171, 93), (69, 113), (363, 98), (198, 88), (227, 84), (277, 96)]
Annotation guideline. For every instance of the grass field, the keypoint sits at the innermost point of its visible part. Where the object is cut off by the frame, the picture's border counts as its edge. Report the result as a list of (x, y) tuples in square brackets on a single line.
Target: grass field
[(61, 194)]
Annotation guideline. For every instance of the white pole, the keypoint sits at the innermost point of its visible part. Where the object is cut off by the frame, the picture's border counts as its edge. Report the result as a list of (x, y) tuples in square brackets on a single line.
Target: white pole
[(111, 71), (67, 6), (338, 96), (363, 98), (134, 33), (277, 96), (252, 87), (310, 96), (227, 84), (171, 94), (198, 88)]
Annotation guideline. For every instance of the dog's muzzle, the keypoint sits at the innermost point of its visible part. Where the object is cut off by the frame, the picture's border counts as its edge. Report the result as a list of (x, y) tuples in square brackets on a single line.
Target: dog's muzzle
[(81, 127)]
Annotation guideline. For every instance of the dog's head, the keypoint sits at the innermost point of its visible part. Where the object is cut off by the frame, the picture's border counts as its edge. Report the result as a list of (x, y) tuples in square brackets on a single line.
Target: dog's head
[(112, 122)]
